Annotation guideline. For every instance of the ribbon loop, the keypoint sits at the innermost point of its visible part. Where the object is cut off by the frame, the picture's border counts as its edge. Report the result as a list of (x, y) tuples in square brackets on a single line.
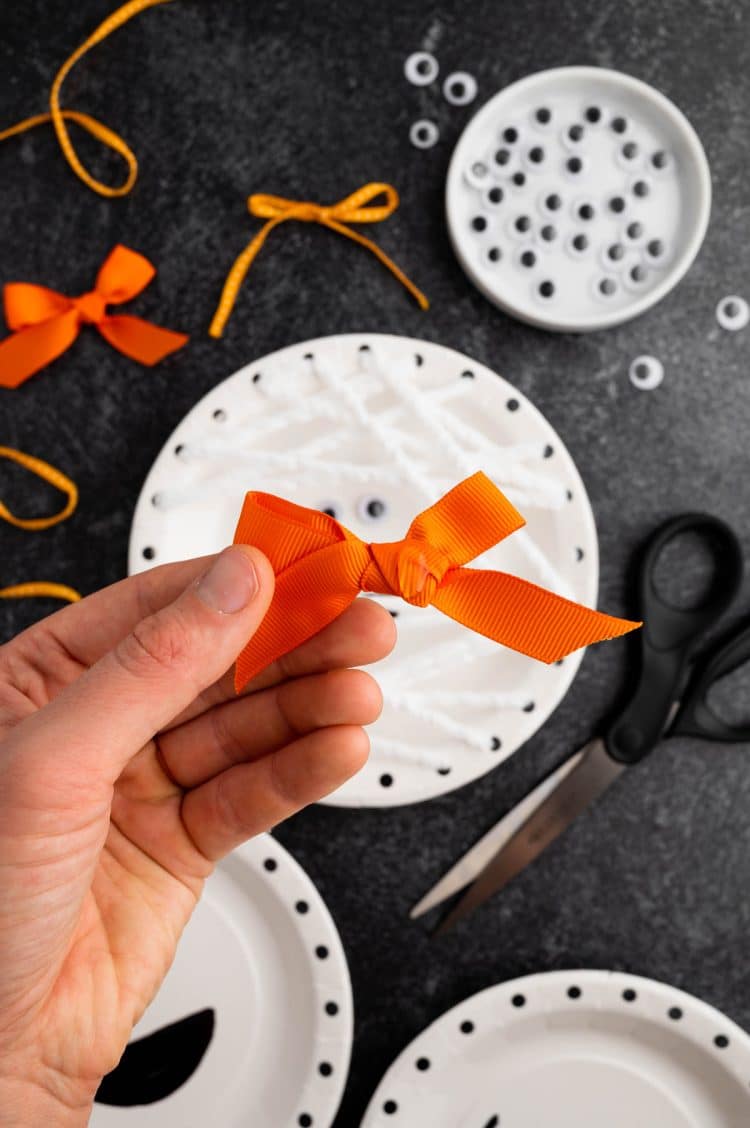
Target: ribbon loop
[(321, 567), (46, 323), (96, 128), (277, 209)]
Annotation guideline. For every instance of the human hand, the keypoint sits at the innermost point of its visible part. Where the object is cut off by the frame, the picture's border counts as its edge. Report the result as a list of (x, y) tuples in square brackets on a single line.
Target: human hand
[(127, 769)]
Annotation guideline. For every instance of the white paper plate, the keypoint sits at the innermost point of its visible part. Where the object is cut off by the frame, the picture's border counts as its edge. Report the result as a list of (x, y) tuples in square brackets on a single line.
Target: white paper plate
[(577, 198), (340, 421), (578, 1049), (262, 951)]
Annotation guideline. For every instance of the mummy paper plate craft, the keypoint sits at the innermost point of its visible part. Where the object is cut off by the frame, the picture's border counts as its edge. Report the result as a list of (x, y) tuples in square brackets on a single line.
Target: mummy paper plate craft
[(372, 429), (257, 1003), (577, 198), (580, 1049)]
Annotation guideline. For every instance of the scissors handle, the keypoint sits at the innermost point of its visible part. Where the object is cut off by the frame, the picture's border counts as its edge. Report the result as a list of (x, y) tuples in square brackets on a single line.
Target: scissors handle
[(696, 717), (669, 635)]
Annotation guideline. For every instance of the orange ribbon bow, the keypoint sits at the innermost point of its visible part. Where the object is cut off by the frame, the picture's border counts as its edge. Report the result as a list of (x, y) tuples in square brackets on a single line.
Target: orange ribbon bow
[(321, 567), (46, 323), (276, 209)]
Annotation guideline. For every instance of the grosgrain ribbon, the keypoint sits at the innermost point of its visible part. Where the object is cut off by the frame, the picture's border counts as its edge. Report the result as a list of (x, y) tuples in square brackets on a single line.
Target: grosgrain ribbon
[(46, 323), (61, 482), (96, 128), (321, 567), (356, 208)]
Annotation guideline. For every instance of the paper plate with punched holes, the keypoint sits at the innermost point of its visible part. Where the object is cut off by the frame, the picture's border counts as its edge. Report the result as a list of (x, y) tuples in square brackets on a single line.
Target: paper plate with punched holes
[(253, 1024), (374, 429), (577, 198), (578, 1049)]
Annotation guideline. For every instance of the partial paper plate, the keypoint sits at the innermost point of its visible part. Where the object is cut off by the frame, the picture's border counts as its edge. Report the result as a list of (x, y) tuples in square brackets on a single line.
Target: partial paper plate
[(579, 1049), (263, 953), (577, 198), (375, 429)]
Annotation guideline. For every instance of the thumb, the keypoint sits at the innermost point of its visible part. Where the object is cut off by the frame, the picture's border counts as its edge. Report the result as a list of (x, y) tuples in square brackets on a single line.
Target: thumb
[(101, 720)]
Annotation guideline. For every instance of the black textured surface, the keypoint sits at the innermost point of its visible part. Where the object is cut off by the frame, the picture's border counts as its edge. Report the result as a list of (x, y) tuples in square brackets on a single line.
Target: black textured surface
[(309, 100)]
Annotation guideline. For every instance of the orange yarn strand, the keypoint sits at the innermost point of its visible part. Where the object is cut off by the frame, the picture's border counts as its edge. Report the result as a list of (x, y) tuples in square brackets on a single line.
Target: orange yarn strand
[(96, 128), (276, 209)]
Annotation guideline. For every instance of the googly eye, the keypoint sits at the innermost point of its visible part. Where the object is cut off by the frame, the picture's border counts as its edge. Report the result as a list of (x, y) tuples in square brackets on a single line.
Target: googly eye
[(520, 227), (477, 174), (330, 508), (535, 158), (593, 115), (584, 210), (606, 288), (733, 313), (628, 154), (634, 232), (421, 68), (619, 124), (573, 135), (527, 258), (371, 508), (494, 196), (546, 290), (636, 277), (501, 158), (578, 244), (460, 88), (551, 203), (656, 250), (641, 187), (661, 162), (646, 373), (424, 134), (542, 117), (494, 255), (574, 167)]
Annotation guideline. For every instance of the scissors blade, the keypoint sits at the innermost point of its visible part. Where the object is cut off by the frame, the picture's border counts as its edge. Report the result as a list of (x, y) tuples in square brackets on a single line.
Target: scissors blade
[(592, 775), (482, 852)]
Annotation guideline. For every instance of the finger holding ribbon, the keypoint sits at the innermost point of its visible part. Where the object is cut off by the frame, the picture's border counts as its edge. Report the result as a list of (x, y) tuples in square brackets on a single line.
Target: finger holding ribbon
[(321, 567)]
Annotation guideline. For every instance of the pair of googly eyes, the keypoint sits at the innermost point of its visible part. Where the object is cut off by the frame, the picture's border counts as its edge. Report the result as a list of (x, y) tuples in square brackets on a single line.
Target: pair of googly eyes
[(368, 508)]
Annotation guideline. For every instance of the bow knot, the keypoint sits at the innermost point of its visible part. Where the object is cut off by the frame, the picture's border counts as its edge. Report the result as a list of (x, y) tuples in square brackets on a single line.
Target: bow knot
[(356, 208), (91, 307), (408, 568), (321, 567), (46, 323)]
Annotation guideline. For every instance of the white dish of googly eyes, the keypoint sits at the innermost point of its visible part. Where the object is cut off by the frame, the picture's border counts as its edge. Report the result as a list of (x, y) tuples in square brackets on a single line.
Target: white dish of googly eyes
[(577, 198), (374, 429)]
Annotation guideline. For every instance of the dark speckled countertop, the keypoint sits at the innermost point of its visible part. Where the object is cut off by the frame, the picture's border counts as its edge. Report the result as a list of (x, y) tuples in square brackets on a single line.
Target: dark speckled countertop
[(220, 99)]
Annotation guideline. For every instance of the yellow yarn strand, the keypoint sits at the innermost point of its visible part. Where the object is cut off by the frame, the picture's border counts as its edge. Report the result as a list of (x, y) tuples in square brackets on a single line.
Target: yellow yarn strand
[(55, 477), (96, 128), (41, 589), (49, 474), (356, 208)]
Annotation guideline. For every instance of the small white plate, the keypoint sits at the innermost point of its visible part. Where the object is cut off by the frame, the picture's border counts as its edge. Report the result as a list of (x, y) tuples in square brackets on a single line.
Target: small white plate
[(341, 421), (572, 1049), (262, 951), (577, 198)]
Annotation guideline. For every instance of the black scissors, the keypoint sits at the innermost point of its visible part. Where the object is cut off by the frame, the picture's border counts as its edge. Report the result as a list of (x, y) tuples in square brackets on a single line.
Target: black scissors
[(671, 699)]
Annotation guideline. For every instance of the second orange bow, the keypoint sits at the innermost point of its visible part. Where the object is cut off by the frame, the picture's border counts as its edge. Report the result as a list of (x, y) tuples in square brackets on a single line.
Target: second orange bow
[(321, 567), (46, 323)]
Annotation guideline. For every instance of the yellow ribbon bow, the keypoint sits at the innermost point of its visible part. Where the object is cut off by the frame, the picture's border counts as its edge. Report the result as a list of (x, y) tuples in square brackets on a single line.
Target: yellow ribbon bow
[(96, 128), (61, 482), (356, 208)]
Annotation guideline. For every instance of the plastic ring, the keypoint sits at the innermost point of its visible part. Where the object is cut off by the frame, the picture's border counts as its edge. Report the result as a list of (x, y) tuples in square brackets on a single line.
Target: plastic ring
[(460, 88), (421, 68), (424, 134)]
